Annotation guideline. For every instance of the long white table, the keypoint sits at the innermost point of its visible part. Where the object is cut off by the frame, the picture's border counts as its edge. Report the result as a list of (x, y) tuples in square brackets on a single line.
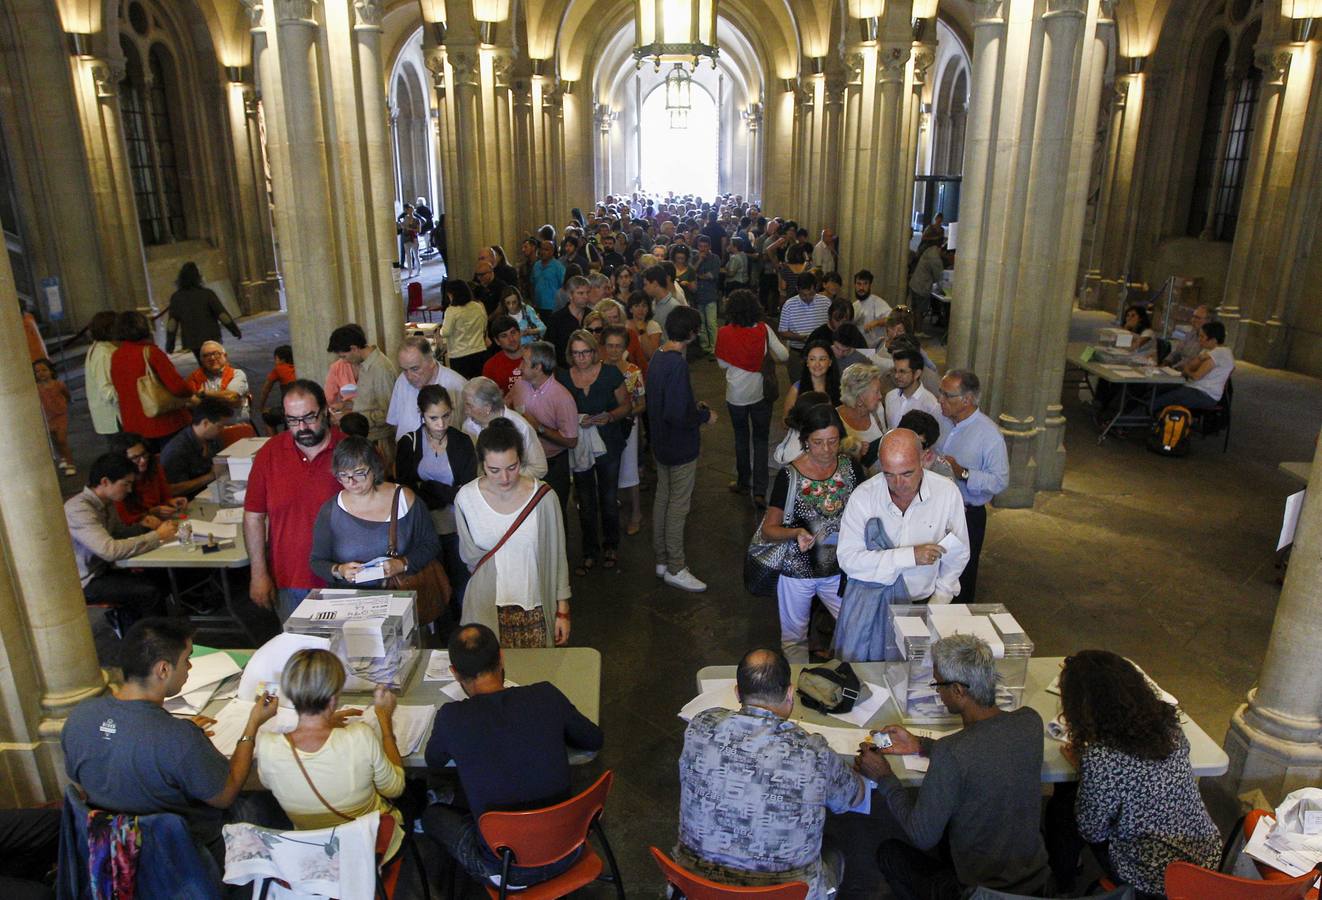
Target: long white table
[(576, 671), (1140, 388), (176, 556), (1205, 754)]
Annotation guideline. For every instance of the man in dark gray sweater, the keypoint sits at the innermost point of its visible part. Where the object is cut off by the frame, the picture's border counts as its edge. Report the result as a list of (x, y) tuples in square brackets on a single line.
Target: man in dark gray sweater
[(982, 791)]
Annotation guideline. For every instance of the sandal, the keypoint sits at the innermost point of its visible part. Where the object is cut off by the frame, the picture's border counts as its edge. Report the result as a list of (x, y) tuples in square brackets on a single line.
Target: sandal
[(609, 559), (585, 567)]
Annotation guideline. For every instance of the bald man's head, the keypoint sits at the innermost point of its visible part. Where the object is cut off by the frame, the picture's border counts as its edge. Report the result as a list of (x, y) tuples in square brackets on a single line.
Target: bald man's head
[(763, 677), (901, 457)]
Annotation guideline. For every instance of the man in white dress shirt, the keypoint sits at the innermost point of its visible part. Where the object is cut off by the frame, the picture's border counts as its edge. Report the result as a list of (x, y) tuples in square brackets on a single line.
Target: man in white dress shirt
[(418, 367), (909, 392), (870, 311), (975, 450), (484, 402), (918, 510)]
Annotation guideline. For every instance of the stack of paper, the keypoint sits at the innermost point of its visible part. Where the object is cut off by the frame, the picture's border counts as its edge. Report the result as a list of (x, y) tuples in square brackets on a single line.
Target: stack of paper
[(438, 667), (204, 679), (979, 626), (721, 696), (411, 724)]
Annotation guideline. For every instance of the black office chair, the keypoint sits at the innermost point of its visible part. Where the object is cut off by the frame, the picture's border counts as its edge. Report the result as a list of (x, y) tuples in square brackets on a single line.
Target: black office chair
[(1213, 420)]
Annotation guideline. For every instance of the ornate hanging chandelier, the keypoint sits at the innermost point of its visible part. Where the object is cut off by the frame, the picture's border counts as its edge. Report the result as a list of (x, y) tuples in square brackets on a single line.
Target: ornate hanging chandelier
[(679, 96), (675, 31)]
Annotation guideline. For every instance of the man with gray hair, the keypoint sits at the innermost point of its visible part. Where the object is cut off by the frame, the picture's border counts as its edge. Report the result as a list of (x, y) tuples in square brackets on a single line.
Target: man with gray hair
[(1189, 348), (975, 451), (484, 402), (550, 409), (784, 780), (419, 367), (982, 791)]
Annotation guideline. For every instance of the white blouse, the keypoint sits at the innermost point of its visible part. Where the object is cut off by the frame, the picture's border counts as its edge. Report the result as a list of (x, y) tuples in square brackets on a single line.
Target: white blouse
[(516, 560)]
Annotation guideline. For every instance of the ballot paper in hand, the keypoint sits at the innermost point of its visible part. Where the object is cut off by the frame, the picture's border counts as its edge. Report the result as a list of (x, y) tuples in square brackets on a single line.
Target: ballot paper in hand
[(411, 725), (1293, 504), (204, 679), (951, 542)]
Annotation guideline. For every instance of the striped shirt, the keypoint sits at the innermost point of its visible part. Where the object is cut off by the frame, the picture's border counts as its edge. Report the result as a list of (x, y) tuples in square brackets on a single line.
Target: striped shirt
[(801, 318)]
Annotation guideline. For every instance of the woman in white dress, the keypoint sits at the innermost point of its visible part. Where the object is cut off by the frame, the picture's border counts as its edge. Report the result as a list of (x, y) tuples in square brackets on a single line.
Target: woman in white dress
[(512, 538)]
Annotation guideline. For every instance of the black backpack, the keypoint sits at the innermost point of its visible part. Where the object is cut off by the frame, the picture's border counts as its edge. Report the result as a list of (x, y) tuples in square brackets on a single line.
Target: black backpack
[(1171, 431)]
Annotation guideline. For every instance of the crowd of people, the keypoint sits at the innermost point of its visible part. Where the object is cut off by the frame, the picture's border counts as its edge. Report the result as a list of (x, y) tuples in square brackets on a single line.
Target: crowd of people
[(559, 382)]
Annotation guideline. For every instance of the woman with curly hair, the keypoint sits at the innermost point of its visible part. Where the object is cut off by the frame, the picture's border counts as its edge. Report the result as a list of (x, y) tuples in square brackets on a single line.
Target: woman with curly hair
[(1136, 802)]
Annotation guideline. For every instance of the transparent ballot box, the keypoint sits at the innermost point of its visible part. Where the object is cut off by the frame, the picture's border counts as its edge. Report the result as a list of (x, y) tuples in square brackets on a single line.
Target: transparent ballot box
[(911, 631), (374, 632)]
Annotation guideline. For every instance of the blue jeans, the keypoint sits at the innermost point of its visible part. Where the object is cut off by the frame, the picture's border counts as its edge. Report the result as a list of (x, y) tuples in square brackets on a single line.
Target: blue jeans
[(1182, 395), (455, 830), (752, 431), (598, 491)]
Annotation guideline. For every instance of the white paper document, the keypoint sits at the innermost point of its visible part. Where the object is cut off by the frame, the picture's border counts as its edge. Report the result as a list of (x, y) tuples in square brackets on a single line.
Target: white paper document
[(204, 680), (915, 763), (844, 741), (722, 697), (866, 706), (269, 661), (233, 717), (411, 724), (1006, 623), (455, 691), (1293, 504), (218, 530), (711, 684), (363, 638), (230, 516), (979, 626), (438, 667), (950, 542)]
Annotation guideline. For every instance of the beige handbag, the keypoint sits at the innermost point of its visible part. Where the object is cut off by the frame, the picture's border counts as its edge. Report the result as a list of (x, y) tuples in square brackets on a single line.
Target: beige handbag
[(155, 398)]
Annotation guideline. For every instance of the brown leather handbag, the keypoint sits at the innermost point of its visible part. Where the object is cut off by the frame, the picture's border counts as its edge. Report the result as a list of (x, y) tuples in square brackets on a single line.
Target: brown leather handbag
[(431, 583)]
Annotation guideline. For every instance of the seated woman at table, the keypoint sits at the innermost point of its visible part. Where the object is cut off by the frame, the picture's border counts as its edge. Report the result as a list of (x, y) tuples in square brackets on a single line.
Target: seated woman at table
[(512, 538), (1136, 802), (329, 771), (353, 527), (150, 502), (435, 462), (1141, 352)]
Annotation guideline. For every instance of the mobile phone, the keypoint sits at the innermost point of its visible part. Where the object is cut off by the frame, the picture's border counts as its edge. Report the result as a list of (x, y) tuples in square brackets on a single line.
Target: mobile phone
[(882, 740)]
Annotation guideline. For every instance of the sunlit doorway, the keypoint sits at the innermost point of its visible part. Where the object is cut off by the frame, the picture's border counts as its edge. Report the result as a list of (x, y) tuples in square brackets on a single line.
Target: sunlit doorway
[(682, 160)]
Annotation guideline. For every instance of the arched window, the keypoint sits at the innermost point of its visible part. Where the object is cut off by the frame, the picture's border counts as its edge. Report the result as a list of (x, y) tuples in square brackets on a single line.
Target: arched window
[(1226, 137), (148, 102)]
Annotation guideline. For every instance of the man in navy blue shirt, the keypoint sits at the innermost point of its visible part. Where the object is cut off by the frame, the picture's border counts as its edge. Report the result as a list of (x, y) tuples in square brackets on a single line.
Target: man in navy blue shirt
[(509, 746)]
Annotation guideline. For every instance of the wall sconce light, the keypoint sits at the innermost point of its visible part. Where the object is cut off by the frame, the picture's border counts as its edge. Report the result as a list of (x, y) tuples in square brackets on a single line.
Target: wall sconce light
[(1134, 64), (486, 33), (817, 65), (868, 15), (567, 85), (80, 44), (787, 84), (924, 11), (1303, 16), (237, 74), (538, 68), (436, 31)]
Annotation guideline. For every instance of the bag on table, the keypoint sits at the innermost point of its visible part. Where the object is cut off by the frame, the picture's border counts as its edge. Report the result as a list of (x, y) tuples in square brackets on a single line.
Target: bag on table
[(830, 688), (1171, 431), (764, 559)]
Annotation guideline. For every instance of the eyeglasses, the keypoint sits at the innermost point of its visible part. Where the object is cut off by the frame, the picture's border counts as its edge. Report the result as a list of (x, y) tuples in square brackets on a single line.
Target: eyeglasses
[(356, 476), (295, 421), (213, 354), (597, 330), (136, 457), (581, 352), (951, 396), (941, 684)]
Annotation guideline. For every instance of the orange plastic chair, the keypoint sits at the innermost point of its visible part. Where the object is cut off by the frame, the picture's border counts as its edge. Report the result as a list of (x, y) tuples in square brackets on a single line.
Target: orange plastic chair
[(1185, 881), (231, 434), (695, 887), (1264, 870), (540, 837)]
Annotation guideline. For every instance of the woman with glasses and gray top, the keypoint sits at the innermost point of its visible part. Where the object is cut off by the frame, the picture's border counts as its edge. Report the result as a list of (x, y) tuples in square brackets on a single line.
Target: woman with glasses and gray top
[(353, 528)]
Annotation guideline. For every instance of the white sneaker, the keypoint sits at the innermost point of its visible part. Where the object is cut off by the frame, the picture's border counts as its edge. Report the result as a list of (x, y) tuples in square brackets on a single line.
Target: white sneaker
[(661, 570), (684, 580)]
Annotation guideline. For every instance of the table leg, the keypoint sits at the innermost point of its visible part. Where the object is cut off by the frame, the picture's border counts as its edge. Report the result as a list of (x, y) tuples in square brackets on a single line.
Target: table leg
[(1120, 411), (176, 604)]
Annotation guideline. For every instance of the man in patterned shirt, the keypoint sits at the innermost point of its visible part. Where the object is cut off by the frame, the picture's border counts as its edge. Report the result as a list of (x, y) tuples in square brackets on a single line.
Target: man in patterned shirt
[(754, 788)]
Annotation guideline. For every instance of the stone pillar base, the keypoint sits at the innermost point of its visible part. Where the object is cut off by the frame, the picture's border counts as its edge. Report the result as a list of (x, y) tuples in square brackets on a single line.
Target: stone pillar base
[(1020, 437), (1050, 453), (1260, 761)]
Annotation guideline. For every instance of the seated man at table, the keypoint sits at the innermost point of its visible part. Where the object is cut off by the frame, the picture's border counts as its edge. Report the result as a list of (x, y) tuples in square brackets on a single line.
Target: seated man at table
[(1207, 373), (979, 805), (131, 756), (216, 379), (754, 788), (508, 745), (186, 457), (100, 539)]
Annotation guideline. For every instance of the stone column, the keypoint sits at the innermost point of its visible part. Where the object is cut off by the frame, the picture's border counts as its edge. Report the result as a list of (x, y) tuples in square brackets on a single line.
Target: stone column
[(46, 651), (1275, 738), (752, 144), (889, 244), (856, 159), (463, 192), (828, 211), (380, 311), (504, 167), (525, 155), (309, 248), (1273, 184)]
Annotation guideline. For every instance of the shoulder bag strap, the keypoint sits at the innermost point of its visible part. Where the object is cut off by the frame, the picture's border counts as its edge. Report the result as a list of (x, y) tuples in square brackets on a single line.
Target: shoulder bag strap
[(392, 541), (537, 496), (308, 779), (793, 475)]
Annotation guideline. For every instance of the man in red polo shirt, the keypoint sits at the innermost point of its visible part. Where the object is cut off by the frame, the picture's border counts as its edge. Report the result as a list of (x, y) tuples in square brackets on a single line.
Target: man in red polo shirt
[(291, 479), (505, 365)]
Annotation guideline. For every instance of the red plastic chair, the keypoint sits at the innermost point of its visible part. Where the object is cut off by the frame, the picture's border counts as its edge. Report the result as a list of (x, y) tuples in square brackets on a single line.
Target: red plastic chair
[(1265, 871), (1185, 881), (540, 837), (417, 304), (695, 887), (232, 434)]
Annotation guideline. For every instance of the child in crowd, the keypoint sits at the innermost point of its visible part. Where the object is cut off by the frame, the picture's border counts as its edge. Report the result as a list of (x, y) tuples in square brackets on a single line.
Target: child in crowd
[(55, 405), (283, 374)]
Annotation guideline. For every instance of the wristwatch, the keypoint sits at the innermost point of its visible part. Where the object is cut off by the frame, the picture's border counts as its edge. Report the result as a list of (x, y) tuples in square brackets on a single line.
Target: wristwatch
[(964, 476)]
